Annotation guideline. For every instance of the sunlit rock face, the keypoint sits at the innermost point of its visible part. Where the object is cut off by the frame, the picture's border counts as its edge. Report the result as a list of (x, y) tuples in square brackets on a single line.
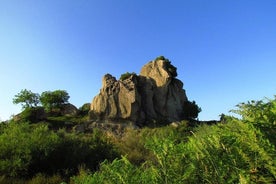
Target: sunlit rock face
[(154, 95)]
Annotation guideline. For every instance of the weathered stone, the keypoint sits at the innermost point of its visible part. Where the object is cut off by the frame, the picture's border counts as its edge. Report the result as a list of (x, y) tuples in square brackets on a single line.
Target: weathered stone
[(68, 109), (153, 95)]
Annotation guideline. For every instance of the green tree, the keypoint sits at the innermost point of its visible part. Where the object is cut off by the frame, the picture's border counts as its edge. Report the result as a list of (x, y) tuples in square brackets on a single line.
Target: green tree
[(54, 99), (26, 98), (191, 110)]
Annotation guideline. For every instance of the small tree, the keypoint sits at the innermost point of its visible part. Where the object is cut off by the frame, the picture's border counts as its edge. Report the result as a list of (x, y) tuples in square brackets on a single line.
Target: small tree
[(191, 110), (26, 98), (53, 99)]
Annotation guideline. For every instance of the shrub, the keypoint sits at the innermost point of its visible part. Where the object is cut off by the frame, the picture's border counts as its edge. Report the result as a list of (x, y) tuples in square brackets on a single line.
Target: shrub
[(191, 110), (132, 145), (162, 58), (261, 114), (31, 114), (21, 147), (84, 109), (26, 150), (233, 152), (126, 75), (42, 178), (119, 171), (229, 153)]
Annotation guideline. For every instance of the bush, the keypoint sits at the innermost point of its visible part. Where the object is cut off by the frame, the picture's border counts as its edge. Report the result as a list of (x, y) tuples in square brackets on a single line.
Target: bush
[(76, 150), (31, 114), (132, 145), (119, 171), (229, 153), (191, 110), (126, 75), (162, 58), (261, 114), (42, 178), (26, 150), (84, 109), (21, 147), (226, 153)]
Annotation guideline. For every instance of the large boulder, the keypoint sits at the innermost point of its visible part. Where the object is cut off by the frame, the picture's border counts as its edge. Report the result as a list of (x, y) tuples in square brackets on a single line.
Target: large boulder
[(153, 95), (68, 110)]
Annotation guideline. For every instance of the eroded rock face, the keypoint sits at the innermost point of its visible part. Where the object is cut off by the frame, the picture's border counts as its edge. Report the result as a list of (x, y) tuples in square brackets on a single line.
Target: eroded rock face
[(117, 99), (155, 94)]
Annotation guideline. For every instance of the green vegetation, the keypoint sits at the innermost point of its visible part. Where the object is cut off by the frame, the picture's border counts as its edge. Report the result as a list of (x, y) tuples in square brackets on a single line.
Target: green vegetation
[(231, 151), (32, 115), (27, 151), (54, 99), (261, 114), (84, 109), (127, 75), (226, 153), (162, 58), (48, 99), (26, 98), (191, 110)]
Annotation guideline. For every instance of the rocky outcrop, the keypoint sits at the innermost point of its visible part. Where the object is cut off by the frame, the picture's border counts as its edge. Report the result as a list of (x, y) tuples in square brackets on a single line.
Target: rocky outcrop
[(33, 115), (155, 94), (68, 110)]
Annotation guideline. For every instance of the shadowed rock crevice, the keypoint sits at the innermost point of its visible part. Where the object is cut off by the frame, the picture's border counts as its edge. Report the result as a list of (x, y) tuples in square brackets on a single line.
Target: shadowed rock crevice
[(153, 95)]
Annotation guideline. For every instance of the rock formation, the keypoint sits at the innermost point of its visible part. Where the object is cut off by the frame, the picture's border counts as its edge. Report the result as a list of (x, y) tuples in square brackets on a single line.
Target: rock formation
[(154, 95), (68, 110)]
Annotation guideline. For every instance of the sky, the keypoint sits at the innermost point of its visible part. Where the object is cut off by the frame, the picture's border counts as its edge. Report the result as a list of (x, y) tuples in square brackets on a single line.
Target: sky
[(224, 51)]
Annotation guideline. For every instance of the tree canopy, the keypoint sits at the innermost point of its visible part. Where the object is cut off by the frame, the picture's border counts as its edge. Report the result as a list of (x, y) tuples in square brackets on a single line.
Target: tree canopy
[(52, 99), (191, 110), (26, 98)]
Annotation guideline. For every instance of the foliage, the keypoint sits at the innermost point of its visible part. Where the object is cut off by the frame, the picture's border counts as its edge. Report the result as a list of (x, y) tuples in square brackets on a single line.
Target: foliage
[(21, 146), (32, 115), (120, 171), (54, 99), (127, 75), (233, 152), (229, 153), (42, 178), (26, 98), (191, 110), (26, 150), (262, 114), (67, 122), (162, 58), (84, 109)]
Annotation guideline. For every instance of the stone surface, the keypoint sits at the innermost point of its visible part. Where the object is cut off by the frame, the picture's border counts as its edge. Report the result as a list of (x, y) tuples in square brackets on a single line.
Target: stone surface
[(68, 110), (153, 95)]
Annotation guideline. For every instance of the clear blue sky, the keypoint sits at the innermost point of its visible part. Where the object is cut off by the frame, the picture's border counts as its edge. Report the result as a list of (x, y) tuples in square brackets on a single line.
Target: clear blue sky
[(224, 50)]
